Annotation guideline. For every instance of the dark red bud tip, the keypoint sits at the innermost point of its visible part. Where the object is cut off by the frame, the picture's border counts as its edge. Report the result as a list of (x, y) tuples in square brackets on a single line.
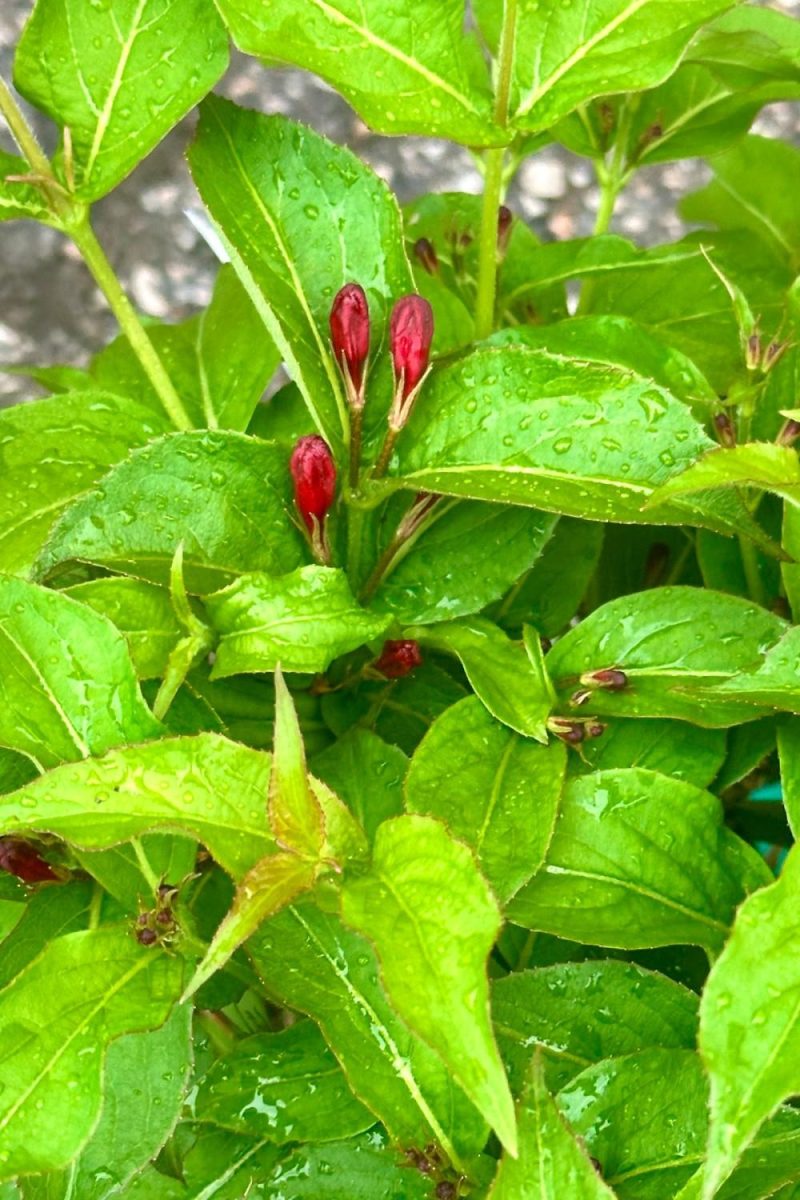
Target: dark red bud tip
[(411, 334), (752, 354), (349, 322), (505, 219), (314, 474), (773, 352), (789, 433), (426, 253), (725, 430), (146, 937), (611, 679), (569, 731), (21, 859), (398, 659), (595, 729), (445, 1190)]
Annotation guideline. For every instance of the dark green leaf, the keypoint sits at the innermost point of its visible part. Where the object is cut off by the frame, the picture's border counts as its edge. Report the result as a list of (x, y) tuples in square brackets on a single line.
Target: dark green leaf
[(495, 790), (362, 1168), (367, 773), (673, 748), (48, 914), (638, 859)]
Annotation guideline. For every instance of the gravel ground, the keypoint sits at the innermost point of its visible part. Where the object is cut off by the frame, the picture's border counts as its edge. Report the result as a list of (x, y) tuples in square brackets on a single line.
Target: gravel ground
[(50, 310)]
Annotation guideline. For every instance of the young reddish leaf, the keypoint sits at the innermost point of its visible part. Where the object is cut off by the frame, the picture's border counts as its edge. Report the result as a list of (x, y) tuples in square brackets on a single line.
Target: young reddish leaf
[(295, 815)]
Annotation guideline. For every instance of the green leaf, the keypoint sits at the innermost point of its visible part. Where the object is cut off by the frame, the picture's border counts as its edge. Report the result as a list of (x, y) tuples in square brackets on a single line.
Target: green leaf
[(493, 789), (295, 816), (755, 464), (118, 870), (221, 800), (771, 1160), (484, 547), (118, 78), (285, 1086), (550, 594), (141, 612), (638, 859), (268, 184), (303, 621), (672, 748), (750, 1023), (19, 200), (425, 892), (667, 640), (749, 45), (147, 505), (311, 962), (551, 1163), (539, 429), (578, 1013), (505, 678), (752, 190), (367, 774), (55, 1038), (53, 450), (69, 689), (651, 1147), (272, 884), (363, 1168), (424, 75), (49, 913), (566, 55), (773, 683)]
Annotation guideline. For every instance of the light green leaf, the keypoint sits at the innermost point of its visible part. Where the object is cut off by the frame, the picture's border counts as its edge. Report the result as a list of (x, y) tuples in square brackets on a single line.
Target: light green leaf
[(485, 547), (668, 640), (272, 884), (401, 73), (311, 962), (502, 673), (581, 1012), (672, 748), (147, 505), (755, 464), (567, 55), (750, 1022), (285, 1086), (55, 1038), (495, 790), (638, 859), (141, 612), (752, 190), (19, 200), (367, 1167), (771, 1160), (268, 184), (367, 774), (295, 816), (53, 450), (773, 683), (119, 77), (551, 1163), (303, 621), (220, 799), (68, 689), (789, 756), (425, 891)]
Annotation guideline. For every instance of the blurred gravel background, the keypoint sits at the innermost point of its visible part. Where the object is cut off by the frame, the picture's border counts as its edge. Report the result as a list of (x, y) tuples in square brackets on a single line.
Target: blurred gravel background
[(50, 310)]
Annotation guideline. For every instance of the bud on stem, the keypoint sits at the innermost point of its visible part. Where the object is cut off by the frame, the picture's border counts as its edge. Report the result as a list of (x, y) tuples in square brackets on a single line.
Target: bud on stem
[(505, 219), (725, 430), (609, 679), (20, 858), (410, 337), (789, 432), (574, 731), (349, 322), (398, 659), (314, 475), (427, 256)]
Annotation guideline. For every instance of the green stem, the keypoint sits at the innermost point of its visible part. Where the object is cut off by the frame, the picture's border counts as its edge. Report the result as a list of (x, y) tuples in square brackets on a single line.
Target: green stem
[(22, 133), (384, 458), (755, 584), (355, 531), (356, 421), (95, 905), (382, 565), (95, 258), (493, 183), (610, 187), (144, 865)]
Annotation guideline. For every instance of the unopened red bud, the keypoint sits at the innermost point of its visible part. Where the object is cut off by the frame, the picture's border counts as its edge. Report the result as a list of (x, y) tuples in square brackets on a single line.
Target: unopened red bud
[(21, 859), (411, 334), (611, 679), (349, 323), (595, 729), (446, 1190), (774, 351), (725, 430), (314, 474), (569, 731), (789, 433), (146, 937), (398, 659), (752, 354), (426, 253), (505, 218)]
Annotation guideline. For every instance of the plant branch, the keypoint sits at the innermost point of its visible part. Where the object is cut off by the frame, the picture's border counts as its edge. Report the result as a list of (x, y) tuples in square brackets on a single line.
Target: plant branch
[(22, 133)]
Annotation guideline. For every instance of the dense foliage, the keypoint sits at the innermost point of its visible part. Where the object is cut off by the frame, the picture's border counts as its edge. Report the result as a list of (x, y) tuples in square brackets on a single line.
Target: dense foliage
[(378, 763)]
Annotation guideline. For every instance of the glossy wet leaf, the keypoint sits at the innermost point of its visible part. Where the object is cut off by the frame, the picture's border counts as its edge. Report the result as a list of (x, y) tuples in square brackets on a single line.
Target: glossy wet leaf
[(578, 1013), (424, 888), (638, 859), (401, 74), (119, 77), (268, 184), (312, 962), (295, 815), (757, 464), (551, 1163), (551, 592), (103, 801), (495, 790), (224, 495), (68, 689), (769, 1161), (466, 558), (143, 614), (750, 1022), (367, 774), (303, 621), (367, 1166), (667, 641), (673, 748), (772, 683), (285, 1086), (500, 671), (63, 445), (55, 1039)]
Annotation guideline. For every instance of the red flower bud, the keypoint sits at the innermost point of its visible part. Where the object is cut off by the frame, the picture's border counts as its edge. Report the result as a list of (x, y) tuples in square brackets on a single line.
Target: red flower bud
[(610, 679), (411, 333), (398, 659), (21, 859), (505, 218), (314, 474), (426, 253), (349, 322), (725, 430), (788, 433)]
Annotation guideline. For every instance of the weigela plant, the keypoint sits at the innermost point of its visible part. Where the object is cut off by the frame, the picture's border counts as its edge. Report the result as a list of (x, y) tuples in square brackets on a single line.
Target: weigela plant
[(397, 774)]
